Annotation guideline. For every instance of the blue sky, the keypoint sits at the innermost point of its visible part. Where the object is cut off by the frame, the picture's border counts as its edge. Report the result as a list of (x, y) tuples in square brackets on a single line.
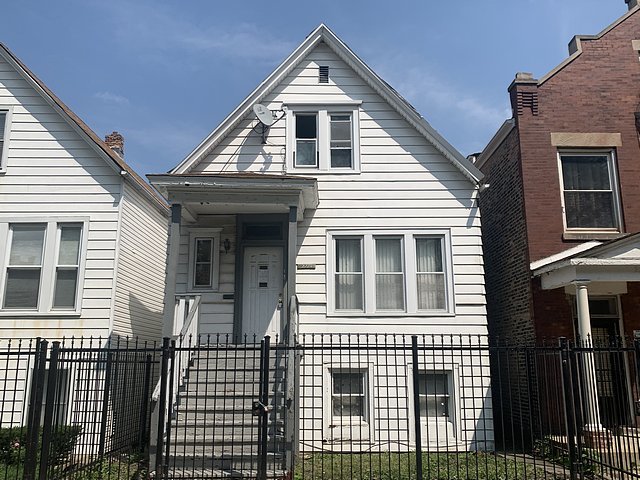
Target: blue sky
[(165, 73)]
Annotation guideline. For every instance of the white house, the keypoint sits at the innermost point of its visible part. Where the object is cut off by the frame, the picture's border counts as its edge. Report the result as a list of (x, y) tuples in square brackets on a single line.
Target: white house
[(82, 236), (82, 254), (349, 214)]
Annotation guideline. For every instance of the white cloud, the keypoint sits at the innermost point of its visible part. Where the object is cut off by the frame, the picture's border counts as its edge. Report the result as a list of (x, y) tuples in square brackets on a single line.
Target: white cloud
[(155, 28), (466, 120), (113, 98)]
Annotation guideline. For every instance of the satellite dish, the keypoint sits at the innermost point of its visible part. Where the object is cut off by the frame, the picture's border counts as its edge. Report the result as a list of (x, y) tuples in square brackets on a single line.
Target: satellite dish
[(264, 115)]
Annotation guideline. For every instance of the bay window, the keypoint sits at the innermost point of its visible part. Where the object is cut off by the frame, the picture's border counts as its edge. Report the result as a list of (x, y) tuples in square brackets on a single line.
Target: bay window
[(388, 272), (42, 266)]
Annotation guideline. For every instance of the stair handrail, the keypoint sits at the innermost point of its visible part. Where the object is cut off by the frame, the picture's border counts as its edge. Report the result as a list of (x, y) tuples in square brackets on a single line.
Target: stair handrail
[(189, 331)]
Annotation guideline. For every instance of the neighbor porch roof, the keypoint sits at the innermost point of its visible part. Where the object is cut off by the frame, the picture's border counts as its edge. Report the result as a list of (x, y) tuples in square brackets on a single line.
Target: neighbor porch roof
[(617, 260)]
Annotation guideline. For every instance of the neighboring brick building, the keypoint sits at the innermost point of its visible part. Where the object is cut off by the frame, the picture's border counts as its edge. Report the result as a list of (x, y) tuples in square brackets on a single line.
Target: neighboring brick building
[(561, 210)]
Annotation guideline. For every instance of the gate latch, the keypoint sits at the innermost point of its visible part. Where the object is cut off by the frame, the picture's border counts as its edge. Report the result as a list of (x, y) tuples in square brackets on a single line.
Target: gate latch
[(258, 408)]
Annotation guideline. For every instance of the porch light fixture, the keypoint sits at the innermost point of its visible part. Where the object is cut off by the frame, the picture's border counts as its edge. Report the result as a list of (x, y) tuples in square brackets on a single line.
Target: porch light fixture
[(226, 245)]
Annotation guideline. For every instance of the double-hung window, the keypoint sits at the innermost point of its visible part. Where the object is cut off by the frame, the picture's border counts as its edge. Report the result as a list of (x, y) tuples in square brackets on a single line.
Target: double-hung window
[(5, 125), (589, 193), (389, 273), (42, 266), (323, 138)]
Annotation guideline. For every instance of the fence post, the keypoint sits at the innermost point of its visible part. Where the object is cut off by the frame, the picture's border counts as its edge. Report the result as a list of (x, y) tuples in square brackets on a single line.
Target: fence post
[(416, 404), (50, 401), (35, 408), (569, 410), (105, 402), (636, 351), (142, 440), (162, 406), (264, 401)]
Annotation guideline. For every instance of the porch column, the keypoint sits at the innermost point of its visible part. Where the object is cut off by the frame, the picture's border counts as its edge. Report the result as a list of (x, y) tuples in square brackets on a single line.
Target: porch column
[(589, 385), (173, 250), (292, 243)]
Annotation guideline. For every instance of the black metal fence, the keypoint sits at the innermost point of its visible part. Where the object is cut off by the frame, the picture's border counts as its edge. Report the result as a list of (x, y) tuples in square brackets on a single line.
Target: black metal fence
[(327, 407), (76, 409)]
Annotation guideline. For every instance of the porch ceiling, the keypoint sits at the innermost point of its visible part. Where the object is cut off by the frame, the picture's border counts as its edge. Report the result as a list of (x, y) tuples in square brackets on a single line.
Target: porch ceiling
[(238, 193)]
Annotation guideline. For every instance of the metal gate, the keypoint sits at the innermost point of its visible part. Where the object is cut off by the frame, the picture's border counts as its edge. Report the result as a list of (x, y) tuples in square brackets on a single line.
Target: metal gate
[(223, 409)]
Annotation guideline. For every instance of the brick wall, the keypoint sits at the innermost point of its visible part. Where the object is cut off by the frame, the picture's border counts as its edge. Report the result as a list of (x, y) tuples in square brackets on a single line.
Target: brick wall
[(504, 234), (597, 92)]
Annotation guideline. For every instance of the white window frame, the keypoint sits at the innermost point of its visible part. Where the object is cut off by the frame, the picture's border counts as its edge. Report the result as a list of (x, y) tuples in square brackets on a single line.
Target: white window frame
[(613, 180), (323, 113), (355, 429), (409, 267), (49, 264), (4, 153), (437, 431), (198, 233)]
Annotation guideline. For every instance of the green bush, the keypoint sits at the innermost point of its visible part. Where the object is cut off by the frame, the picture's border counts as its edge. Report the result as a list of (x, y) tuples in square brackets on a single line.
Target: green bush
[(13, 443)]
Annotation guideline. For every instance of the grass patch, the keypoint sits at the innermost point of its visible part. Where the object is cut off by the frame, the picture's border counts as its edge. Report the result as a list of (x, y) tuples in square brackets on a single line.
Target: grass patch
[(402, 466), (115, 467)]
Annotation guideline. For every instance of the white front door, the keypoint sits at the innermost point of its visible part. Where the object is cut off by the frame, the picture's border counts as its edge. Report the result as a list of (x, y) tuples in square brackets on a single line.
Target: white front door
[(262, 291)]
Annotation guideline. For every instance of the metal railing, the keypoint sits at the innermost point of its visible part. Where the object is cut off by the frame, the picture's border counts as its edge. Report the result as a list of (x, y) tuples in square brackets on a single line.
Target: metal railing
[(364, 406), (76, 408)]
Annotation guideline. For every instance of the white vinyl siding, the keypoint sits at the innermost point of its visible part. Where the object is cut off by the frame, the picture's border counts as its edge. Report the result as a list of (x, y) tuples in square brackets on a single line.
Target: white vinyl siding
[(216, 307), (50, 171), (141, 268), (404, 184)]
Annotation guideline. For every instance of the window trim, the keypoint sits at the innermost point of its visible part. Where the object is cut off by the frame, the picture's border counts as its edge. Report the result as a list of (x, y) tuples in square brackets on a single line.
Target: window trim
[(198, 233), (340, 432), (49, 261), (4, 153), (410, 273), (613, 179), (323, 114)]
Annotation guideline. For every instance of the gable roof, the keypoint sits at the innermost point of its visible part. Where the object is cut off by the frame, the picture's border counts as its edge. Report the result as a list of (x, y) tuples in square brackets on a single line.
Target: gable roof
[(103, 150), (575, 45), (323, 34)]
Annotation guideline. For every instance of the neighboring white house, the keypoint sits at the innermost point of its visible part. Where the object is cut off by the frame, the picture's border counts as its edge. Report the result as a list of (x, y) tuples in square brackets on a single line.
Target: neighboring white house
[(82, 236), (350, 214)]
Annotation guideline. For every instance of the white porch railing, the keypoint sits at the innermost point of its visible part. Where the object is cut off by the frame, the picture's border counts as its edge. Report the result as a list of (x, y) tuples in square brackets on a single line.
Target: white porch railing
[(185, 333)]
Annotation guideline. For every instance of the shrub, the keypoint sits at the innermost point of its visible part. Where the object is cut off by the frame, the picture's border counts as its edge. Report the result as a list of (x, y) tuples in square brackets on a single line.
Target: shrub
[(13, 442)]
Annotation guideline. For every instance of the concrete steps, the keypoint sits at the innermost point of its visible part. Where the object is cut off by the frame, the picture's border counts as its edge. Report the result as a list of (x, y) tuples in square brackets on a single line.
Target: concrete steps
[(213, 431)]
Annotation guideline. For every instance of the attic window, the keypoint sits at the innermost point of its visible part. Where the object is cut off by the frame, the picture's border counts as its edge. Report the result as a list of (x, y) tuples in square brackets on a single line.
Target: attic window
[(323, 74)]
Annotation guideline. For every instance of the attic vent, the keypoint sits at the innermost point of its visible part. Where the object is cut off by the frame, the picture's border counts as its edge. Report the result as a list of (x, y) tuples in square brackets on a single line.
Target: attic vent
[(323, 73), (528, 100)]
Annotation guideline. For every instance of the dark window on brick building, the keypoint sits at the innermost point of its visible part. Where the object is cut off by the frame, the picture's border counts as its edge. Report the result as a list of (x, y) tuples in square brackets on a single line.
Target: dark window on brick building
[(590, 200)]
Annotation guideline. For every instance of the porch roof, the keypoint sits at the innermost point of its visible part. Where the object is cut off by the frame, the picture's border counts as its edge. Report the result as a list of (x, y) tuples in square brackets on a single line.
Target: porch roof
[(238, 192), (616, 260)]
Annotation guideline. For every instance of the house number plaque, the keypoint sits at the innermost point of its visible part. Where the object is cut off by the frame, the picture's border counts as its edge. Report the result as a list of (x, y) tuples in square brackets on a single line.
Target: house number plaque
[(306, 266)]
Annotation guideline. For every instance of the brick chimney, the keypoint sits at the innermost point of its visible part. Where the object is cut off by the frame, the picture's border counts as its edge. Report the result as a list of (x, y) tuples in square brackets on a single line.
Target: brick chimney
[(631, 3), (115, 141)]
